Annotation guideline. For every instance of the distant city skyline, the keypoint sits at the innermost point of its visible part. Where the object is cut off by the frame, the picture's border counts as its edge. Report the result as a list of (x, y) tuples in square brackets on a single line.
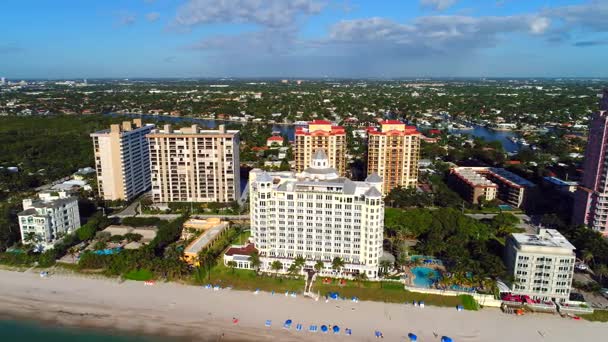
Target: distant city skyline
[(67, 39)]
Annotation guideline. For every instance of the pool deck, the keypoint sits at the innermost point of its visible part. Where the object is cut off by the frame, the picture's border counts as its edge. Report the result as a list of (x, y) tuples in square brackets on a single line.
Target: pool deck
[(409, 280)]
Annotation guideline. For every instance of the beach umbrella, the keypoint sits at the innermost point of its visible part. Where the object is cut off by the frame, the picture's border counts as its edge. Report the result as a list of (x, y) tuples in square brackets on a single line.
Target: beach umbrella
[(324, 328), (445, 339), (288, 322), (412, 337), (336, 329), (268, 323), (378, 333)]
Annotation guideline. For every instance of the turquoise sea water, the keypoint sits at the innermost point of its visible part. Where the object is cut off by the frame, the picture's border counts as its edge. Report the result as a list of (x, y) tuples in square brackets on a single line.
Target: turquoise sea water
[(30, 332)]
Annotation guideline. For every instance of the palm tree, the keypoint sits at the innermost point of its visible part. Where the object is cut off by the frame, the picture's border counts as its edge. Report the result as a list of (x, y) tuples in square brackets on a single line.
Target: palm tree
[(300, 261), (293, 269), (601, 271), (319, 265), (232, 264), (255, 261), (337, 264), (587, 256), (30, 237), (384, 266), (72, 252), (276, 266)]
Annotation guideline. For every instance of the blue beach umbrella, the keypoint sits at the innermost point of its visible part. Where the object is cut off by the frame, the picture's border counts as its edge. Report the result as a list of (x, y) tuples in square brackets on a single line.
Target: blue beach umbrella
[(268, 323), (336, 329), (324, 328), (446, 339), (412, 337)]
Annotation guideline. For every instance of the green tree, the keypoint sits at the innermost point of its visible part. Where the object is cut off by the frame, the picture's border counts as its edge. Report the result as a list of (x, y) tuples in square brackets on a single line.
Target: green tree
[(385, 266), (276, 266), (319, 265), (232, 265), (255, 261), (337, 264)]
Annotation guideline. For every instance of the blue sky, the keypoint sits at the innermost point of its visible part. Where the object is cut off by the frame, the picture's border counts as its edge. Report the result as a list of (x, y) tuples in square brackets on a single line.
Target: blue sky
[(303, 38)]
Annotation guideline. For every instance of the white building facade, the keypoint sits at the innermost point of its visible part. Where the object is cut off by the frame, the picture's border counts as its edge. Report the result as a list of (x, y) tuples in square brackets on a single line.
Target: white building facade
[(122, 160), (44, 221), (319, 216), (542, 264)]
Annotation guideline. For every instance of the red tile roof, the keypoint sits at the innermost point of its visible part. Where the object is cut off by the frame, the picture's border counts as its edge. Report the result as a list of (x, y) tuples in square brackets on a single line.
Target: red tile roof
[(320, 122), (275, 138), (392, 122), (247, 250)]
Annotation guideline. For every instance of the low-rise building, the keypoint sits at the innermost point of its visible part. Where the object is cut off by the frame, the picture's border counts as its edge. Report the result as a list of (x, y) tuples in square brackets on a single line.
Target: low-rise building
[(241, 255), (212, 231), (502, 184), (274, 141), (45, 220), (542, 265)]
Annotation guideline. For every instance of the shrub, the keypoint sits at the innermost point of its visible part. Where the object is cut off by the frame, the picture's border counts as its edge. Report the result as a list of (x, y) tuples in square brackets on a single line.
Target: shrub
[(469, 303), (47, 258), (141, 221)]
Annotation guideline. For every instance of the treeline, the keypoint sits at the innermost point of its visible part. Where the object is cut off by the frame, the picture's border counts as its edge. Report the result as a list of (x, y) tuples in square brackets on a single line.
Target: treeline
[(463, 243), (160, 256), (46, 259)]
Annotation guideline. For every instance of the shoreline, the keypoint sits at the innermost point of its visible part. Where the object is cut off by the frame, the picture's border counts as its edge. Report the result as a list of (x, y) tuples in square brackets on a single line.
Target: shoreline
[(191, 313)]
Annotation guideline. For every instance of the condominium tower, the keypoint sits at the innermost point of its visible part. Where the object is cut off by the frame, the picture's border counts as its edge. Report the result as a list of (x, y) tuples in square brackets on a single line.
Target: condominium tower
[(194, 165), (318, 215), (45, 220), (321, 134), (121, 160), (393, 153), (591, 197), (542, 265)]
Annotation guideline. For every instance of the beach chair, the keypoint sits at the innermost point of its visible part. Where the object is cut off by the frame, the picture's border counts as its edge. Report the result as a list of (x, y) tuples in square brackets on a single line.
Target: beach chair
[(268, 323), (298, 327), (348, 331), (313, 328)]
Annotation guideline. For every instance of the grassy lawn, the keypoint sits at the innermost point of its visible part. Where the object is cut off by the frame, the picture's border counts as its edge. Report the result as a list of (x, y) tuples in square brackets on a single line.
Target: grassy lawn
[(469, 303), (249, 280), (389, 292), (139, 275), (597, 316)]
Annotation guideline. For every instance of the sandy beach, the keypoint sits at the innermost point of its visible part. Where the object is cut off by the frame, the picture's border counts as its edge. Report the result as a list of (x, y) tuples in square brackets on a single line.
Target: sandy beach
[(201, 314)]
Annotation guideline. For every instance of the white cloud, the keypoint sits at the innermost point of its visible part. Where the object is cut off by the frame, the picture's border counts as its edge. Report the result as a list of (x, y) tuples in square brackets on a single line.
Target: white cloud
[(125, 19), (592, 15), (152, 16), (438, 5), (267, 13)]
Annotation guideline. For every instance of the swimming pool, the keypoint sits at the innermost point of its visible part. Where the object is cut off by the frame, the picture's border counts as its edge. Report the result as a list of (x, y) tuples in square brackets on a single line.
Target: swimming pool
[(426, 259), (425, 276)]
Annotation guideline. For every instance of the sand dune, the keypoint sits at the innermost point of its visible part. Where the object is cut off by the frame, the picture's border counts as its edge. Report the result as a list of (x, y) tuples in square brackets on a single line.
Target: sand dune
[(204, 315)]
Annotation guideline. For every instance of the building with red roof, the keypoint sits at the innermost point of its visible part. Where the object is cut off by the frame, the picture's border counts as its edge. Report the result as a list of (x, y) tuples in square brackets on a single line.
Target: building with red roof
[(393, 153), (320, 134), (274, 140)]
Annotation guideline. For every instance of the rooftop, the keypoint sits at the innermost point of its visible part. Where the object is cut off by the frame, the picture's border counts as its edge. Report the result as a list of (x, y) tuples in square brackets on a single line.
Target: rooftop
[(472, 177), (545, 238), (205, 239)]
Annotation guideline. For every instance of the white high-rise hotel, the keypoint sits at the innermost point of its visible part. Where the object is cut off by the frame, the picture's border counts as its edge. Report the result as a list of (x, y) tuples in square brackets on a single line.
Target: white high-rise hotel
[(317, 215)]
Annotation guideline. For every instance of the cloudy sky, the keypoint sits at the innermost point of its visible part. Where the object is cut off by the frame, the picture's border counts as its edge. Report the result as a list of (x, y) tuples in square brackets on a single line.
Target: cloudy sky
[(303, 38)]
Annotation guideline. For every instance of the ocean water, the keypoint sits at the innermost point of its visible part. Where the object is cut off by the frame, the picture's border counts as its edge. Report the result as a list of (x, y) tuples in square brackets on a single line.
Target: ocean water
[(29, 332)]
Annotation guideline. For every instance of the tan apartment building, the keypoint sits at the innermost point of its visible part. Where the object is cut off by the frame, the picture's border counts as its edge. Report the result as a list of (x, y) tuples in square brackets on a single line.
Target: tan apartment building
[(393, 153), (122, 160), (508, 187), (321, 134), (194, 165), (471, 185)]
